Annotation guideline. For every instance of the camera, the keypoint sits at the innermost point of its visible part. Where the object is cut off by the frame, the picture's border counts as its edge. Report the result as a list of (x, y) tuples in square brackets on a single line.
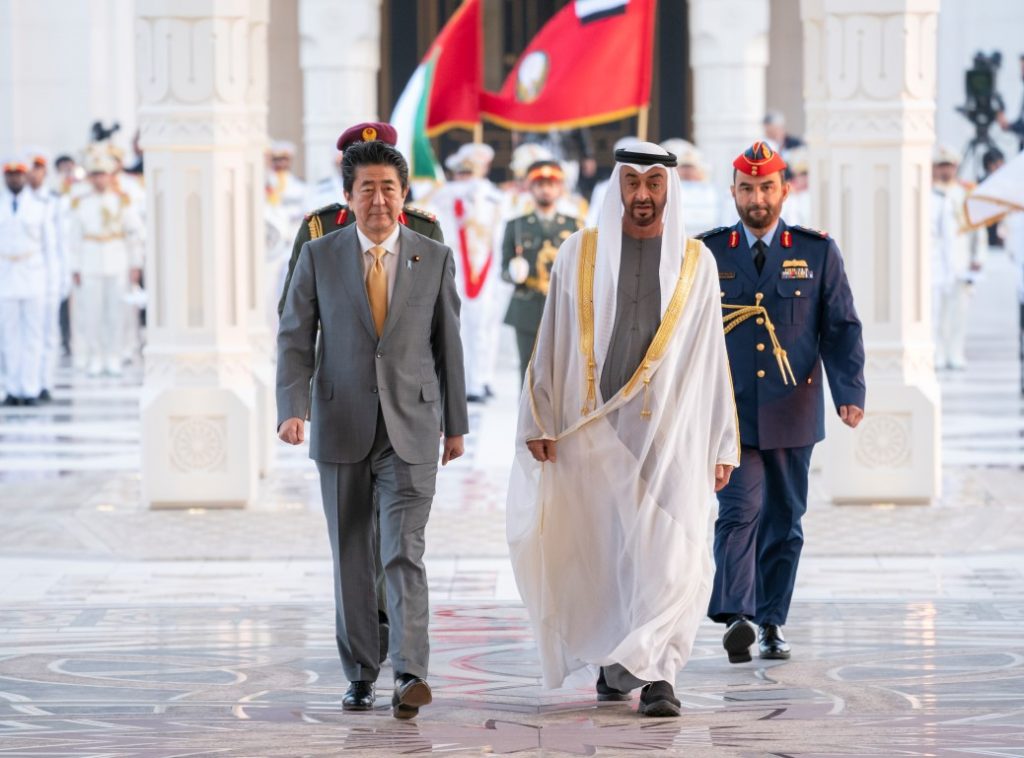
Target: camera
[(983, 101)]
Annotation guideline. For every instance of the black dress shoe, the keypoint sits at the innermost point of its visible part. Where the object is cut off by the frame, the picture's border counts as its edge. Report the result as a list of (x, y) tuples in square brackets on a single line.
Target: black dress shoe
[(10, 401), (476, 399), (411, 694), (384, 631), (772, 644), (610, 694), (659, 699), (30, 401), (358, 697), (738, 637), (45, 397)]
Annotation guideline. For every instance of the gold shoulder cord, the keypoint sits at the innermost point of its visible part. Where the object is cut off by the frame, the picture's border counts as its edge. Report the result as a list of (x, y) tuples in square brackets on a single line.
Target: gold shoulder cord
[(316, 227), (740, 313), (658, 346), (588, 255)]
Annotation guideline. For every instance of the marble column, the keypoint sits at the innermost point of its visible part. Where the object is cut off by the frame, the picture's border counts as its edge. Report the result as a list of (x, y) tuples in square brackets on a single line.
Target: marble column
[(729, 59), (870, 96), (201, 68), (339, 54)]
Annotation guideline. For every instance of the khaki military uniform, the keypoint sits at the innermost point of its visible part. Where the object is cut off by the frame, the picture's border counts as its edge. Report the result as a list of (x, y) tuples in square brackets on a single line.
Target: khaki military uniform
[(332, 217), (537, 241)]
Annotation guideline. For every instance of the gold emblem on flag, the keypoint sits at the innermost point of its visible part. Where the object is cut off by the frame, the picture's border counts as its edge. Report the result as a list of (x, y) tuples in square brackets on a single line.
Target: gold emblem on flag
[(531, 76)]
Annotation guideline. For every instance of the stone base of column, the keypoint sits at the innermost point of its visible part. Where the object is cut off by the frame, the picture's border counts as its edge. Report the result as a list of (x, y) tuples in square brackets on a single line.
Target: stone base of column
[(200, 447), (265, 380), (894, 455)]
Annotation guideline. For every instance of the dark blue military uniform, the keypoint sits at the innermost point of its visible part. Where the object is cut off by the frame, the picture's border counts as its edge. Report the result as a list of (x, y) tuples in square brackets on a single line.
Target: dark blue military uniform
[(804, 289)]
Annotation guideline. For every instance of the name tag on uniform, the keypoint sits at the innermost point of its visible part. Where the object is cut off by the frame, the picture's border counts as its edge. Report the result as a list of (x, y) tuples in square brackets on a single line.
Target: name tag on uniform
[(726, 274), (796, 268)]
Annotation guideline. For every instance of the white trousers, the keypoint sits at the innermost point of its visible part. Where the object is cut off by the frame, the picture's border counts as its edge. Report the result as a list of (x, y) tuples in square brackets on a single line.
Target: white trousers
[(51, 343), (473, 321), (100, 309), (21, 340), (951, 340)]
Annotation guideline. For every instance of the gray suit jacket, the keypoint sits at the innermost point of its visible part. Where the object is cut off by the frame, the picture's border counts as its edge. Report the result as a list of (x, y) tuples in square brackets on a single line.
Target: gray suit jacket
[(413, 373)]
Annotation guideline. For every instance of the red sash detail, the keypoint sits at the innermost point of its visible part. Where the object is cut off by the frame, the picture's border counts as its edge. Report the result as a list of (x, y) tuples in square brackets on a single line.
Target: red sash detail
[(474, 282)]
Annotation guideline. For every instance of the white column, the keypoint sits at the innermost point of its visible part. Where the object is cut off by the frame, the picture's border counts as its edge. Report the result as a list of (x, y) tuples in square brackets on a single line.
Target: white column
[(729, 59), (340, 57), (202, 112), (870, 89)]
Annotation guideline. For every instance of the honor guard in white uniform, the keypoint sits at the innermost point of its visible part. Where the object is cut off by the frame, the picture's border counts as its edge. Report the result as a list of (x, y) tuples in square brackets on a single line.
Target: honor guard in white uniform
[(27, 248), (797, 208), (105, 250), (58, 277), (960, 262), (284, 189), (469, 211), (701, 201)]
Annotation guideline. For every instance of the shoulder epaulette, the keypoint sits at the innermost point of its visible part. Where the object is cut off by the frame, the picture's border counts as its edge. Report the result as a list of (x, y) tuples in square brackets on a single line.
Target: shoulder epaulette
[(812, 232), (712, 232), (420, 213), (330, 208)]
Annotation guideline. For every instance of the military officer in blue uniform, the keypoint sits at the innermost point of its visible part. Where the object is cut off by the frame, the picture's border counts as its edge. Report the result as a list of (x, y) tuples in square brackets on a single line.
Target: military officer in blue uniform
[(788, 311)]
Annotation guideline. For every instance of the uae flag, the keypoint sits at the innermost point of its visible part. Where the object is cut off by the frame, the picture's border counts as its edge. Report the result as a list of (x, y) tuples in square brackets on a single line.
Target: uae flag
[(590, 64), (443, 91)]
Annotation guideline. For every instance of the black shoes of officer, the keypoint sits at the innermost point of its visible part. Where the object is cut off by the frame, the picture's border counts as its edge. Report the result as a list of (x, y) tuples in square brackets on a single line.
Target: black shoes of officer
[(384, 630), (358, 697), (739, 635), (606, 694), (11, 401), (771, 642), (45, 397), (658, 699), (411, 694)]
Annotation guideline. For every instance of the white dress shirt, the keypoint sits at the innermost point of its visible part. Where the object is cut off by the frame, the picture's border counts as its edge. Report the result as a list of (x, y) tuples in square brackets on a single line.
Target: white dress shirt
[(390, 259)]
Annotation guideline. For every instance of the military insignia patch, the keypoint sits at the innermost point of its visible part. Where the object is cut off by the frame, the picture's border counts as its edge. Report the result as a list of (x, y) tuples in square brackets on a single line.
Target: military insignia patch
[(794, 263), (796, 272), (369, 134), (726, 274)]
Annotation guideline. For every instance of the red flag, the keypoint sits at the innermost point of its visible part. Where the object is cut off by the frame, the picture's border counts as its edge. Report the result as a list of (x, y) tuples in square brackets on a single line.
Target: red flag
[(454, 65), (591, 63)]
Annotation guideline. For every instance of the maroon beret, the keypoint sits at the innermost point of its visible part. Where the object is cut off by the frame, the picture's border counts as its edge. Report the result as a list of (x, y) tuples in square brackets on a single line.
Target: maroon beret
[(367, 132)]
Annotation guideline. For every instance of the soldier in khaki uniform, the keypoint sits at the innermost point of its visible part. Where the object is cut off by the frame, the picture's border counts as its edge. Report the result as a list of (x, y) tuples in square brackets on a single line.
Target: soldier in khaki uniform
[(336, 215), (528, 253)]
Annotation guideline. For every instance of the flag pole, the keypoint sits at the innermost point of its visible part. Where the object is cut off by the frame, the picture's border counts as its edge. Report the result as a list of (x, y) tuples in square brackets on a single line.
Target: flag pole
[(478, 132), (641, 122)]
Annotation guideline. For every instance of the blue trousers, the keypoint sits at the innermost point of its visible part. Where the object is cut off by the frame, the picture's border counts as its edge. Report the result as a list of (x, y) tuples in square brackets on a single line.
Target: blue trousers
[(758, 536)]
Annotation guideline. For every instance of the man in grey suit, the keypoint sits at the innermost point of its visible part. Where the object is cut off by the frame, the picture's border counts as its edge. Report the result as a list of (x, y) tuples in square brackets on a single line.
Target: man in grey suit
[(387, 381)]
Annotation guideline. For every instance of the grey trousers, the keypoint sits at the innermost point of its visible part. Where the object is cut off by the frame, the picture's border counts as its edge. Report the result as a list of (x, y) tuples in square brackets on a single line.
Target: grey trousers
[(404, 493)]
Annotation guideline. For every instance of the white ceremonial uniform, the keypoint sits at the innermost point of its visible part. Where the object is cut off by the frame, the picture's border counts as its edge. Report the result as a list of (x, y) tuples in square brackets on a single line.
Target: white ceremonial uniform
[(104, 242), (288, 192), (953, 292), (27, 249), (701, 205), (797, 209), (469, 212), (58, 284)]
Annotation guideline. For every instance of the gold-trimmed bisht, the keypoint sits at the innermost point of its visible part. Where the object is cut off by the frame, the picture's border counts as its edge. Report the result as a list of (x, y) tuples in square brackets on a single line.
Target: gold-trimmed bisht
[(658, 346), (741, 313)]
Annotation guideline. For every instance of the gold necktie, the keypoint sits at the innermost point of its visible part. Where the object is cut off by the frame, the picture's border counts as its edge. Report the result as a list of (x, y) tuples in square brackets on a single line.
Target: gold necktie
[(377, 288)]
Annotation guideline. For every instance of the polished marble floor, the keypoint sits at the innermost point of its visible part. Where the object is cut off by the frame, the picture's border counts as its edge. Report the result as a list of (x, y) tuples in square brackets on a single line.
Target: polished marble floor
[(127, 632)]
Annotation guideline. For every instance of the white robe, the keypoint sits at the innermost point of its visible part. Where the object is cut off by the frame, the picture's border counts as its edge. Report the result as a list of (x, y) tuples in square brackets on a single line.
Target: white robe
[(609, 544)]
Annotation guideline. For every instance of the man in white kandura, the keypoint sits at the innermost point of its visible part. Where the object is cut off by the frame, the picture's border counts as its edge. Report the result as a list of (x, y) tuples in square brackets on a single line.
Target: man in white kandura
[(626, 427)]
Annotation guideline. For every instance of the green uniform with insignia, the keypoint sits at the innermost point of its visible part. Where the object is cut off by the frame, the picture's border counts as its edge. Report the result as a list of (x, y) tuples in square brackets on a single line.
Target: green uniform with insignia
[(537, 240), (335, 216)]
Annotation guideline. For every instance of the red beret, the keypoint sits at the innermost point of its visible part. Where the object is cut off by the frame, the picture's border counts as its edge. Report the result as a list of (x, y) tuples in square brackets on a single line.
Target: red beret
[(759, 160), (367, 132)]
